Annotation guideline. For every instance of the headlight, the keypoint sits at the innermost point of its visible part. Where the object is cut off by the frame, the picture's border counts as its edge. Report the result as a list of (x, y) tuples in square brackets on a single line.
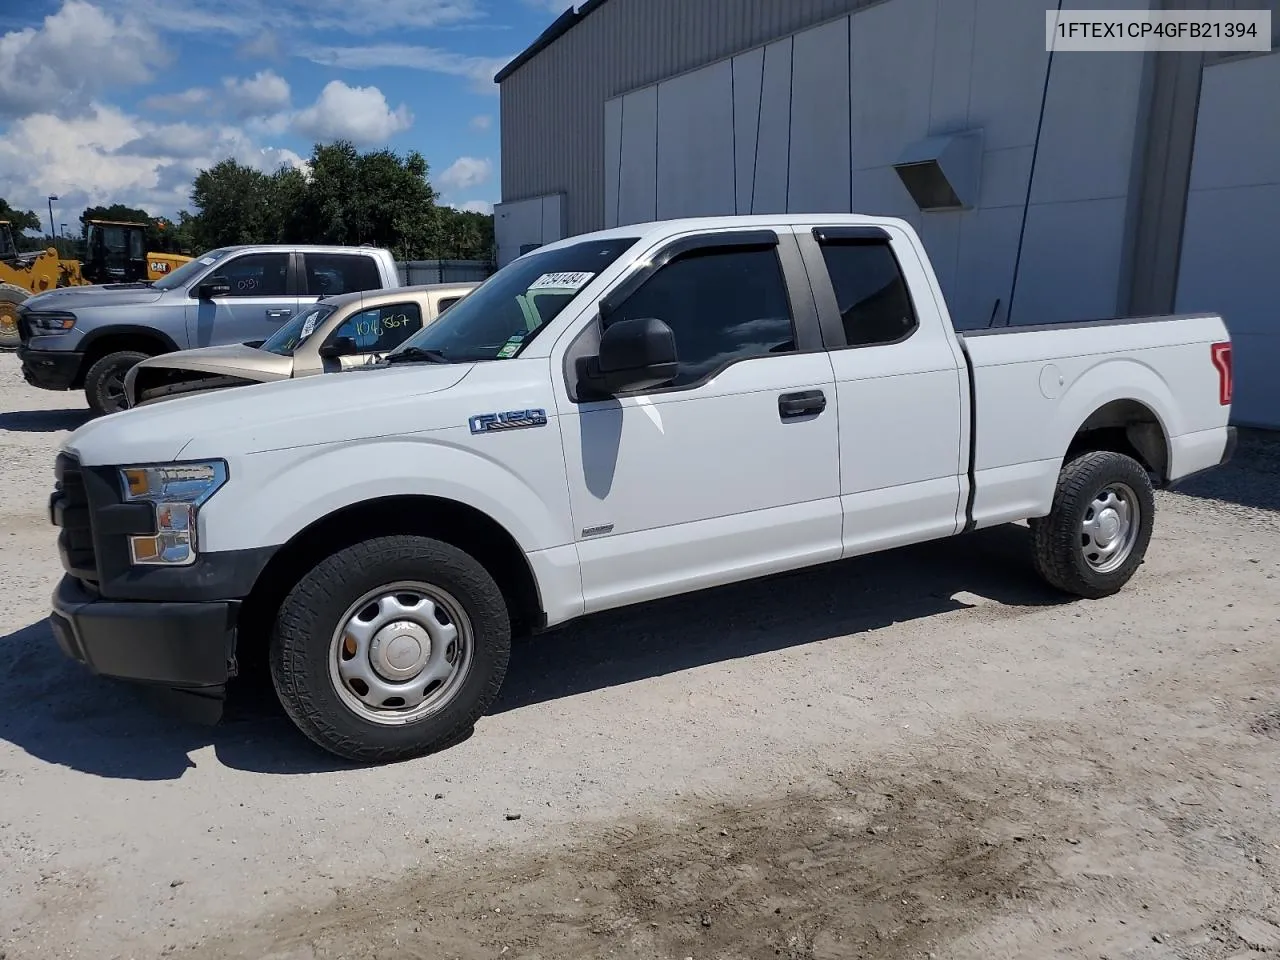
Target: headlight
[(50, 322), (176, 492)]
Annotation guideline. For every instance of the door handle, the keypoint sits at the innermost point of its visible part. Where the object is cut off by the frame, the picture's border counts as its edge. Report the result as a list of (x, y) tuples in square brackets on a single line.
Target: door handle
[(280, 313), (793, 405)]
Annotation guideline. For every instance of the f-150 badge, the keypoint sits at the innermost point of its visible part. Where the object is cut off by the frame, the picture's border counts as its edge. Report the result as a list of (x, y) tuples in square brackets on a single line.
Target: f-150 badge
[(508, 420)]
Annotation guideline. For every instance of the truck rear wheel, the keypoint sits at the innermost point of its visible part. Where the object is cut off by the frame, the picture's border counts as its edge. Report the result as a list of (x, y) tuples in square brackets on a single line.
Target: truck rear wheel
[(1096, 535), (104, 383), (390, 649)]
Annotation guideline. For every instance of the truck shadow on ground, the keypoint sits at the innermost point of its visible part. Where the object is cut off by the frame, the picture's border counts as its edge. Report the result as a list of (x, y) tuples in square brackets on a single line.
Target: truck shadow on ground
[(55, 710), (1250, 479), (43, 421)]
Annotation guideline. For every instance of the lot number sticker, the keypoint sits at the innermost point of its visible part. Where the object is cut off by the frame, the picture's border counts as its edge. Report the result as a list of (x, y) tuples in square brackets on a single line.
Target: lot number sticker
[(561, 281)]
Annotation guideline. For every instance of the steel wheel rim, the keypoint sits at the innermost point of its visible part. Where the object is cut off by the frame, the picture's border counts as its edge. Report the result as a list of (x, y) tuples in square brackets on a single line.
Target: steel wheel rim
[(1110, 526), (401, 653)]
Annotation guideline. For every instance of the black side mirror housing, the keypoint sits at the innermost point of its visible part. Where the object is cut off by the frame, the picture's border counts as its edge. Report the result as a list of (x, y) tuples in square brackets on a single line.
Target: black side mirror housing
[(339, 347), (635, 354), (214, 287)]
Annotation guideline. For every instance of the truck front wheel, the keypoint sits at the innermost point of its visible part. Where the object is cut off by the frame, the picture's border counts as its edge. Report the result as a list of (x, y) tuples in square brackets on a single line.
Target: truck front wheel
[(390, 649), (1096, 535), (104, 383)]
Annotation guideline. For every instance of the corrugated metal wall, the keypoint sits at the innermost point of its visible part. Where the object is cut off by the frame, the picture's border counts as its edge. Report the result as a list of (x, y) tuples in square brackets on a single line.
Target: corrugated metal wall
[(553, 106)]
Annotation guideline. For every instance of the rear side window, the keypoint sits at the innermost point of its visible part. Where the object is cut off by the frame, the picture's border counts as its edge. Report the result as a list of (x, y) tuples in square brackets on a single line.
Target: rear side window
[(329, 274), (445, 304), (871, 292), (723, 305)]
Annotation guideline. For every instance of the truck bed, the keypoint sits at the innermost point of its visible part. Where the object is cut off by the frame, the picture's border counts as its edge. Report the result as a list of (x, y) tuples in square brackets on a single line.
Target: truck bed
[(1032, 387)]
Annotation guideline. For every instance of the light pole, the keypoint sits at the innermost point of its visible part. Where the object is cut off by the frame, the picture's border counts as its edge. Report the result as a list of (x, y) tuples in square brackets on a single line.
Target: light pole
[(52, 232)]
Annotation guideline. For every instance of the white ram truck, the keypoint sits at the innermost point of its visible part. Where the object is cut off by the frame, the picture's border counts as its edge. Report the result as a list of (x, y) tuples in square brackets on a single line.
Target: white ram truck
[(612, 418)]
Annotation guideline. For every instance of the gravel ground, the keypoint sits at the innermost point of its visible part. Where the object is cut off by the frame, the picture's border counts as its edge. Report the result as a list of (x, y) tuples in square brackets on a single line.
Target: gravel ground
[(922, 753)]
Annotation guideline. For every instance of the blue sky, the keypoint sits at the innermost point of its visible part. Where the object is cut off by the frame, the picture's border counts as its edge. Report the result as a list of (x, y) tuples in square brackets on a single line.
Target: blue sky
[(106, 101)]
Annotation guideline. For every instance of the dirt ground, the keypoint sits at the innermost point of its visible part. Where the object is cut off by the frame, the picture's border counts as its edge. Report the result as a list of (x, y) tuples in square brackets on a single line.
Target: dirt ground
[(919, 754)]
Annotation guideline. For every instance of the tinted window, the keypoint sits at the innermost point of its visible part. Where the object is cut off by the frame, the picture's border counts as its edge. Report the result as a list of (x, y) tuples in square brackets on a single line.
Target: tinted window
[(497, 318), (872, 295), (445, 304), (257, 275), (382, 328), (723, 305), (329, 274)]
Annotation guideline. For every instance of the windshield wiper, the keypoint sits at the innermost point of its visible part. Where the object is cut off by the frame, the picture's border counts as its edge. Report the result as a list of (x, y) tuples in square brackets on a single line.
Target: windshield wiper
[(417, 354)]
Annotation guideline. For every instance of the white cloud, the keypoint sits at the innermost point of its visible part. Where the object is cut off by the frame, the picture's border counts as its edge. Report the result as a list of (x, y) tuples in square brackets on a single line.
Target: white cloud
[(474, 206), (182, 102), (251, 19), (481, 122), (465, 173), (105, 156), (480, 70), (551, 6), (359, 114), (74, 54), (262, 93)]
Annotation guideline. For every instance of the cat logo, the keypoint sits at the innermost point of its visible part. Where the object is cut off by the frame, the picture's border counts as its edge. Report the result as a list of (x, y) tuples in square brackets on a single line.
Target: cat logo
[(158, 266)]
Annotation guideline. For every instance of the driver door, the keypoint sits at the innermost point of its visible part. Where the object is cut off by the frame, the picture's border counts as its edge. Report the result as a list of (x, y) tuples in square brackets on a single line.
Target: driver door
[(263, 296), (730, 471), (376, 332)]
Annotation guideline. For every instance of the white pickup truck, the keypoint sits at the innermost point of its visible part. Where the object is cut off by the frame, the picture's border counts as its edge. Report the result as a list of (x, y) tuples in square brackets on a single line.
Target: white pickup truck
[(609, 419)]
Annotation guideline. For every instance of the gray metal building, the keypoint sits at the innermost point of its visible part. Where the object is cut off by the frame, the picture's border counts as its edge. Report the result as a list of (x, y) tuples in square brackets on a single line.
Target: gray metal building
[(1046, 188)]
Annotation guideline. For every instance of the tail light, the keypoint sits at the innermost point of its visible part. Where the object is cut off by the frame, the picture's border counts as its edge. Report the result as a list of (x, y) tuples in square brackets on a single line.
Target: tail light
[(1221, 354)]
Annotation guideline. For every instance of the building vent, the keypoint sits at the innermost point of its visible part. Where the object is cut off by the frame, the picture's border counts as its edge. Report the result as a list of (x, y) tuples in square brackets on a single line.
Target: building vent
[(942, 173)]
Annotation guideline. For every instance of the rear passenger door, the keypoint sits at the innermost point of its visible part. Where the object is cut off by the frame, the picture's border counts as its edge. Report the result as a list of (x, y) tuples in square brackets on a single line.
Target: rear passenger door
[(731, 470), (263, 296), (898, 384)]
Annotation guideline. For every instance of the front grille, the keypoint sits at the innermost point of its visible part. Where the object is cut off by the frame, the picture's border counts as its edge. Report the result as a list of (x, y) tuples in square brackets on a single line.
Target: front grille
[(69, 511)]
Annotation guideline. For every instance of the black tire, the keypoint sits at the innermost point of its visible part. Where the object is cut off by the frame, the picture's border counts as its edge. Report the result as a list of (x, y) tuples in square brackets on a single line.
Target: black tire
[(104, 383), (1062, 548), (302, 645), (10, 296)]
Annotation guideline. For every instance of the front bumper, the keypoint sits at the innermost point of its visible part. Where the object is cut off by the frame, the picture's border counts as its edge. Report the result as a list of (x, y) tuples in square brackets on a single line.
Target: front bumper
[(48, 369), (185, 647)]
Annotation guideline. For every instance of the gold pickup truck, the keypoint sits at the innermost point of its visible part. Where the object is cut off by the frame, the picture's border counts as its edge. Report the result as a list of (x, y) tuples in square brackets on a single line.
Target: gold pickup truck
[(336, 333)]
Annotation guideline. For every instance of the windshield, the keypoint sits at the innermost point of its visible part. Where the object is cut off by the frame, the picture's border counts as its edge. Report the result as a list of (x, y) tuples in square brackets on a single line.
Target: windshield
[(508, 310), (291, 336), (185, 272)]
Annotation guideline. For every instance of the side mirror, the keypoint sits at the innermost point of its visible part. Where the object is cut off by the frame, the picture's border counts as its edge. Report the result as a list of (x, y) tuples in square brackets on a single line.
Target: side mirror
[(339, 347), (635, 354), (214, 287)]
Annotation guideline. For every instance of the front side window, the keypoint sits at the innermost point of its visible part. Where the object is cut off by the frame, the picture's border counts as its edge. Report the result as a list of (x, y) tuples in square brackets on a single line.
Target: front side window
[(257, 275), (498, 318), (190, 269), (723, 304), (382, 329), (293, 334), (875, 306), (331, 274)]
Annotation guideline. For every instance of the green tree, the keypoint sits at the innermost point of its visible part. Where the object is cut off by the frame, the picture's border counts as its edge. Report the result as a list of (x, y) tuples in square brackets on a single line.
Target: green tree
[(19, 220), (345, 197)]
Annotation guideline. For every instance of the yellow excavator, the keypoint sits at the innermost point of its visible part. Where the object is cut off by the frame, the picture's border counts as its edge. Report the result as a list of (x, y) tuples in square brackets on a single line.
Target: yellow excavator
[(114, 252)]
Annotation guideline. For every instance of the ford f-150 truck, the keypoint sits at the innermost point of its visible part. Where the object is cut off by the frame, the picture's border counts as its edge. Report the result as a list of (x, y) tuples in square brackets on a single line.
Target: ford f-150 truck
[(609, 419), (90, 337)]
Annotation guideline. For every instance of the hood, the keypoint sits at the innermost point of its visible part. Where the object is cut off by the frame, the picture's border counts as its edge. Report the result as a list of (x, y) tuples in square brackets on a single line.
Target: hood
[(233, 360), (99, 295), (266, 416)]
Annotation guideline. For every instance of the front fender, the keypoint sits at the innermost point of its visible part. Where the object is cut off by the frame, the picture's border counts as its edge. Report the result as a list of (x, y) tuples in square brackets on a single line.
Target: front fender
[(273, 496)]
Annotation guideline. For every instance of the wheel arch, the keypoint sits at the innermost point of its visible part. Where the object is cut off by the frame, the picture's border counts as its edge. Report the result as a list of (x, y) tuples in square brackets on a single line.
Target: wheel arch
[(98, 343), (1125, 426), (459, 524)]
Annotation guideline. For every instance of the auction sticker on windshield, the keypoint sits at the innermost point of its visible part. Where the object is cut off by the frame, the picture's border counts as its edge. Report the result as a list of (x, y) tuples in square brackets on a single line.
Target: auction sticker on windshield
[(308, 327), (562, 281)]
